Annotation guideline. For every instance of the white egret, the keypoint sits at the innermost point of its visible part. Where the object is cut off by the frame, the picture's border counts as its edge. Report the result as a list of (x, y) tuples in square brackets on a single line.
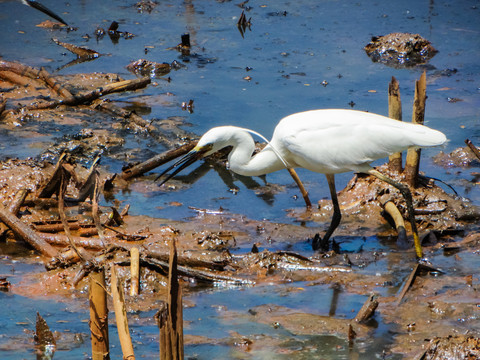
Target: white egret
[(327, 141)]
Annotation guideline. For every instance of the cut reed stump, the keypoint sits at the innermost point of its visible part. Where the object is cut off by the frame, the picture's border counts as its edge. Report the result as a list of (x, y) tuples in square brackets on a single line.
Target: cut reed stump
[(99, 316), (134, 271), (121, 316), (394, 112), (413, 155), (170, 316)]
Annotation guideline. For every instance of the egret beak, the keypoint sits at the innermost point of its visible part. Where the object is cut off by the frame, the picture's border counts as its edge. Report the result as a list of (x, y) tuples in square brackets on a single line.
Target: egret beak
[(195, 154), (36, 5)]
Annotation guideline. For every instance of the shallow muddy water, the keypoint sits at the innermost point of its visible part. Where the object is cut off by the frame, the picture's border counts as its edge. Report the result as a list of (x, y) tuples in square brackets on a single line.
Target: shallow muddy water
[(299, 55)]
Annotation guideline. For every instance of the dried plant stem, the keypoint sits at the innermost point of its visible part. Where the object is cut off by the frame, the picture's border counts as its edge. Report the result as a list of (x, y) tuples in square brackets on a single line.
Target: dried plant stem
[(99, 316), (394, 112), (413, 155), (121, 316), (135, 271)]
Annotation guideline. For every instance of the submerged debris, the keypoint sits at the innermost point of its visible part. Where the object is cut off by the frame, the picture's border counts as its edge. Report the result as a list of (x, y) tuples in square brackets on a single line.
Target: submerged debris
[(400, 49), (149, 68)]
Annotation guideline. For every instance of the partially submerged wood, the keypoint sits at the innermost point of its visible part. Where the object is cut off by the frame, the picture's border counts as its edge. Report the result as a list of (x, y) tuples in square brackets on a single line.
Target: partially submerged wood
[(24, 232), (81, 52), (98, 315), (367, 310), (473, 148)]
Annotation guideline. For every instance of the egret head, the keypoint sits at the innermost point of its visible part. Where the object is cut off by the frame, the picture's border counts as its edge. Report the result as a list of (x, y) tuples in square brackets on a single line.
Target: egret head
[(212, 141)]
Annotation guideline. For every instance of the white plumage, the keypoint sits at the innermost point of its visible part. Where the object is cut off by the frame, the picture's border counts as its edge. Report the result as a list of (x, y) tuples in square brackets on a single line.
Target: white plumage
[(327, 141)]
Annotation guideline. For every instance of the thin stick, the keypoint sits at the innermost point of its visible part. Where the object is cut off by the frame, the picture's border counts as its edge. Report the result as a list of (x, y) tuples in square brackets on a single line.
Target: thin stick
[(95, 214), (121, 316), (412, 163), (98, 316), (134, 271), (394, 112)]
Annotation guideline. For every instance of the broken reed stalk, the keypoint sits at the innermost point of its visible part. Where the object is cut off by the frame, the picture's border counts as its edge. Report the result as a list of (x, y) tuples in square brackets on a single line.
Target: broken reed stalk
[(95, 212), (121, 315), (134, 271), (413, 155), (368, 309), (17, 201), (472, 147), (98, 316), (61, 211), (170, 316), (394, 112)]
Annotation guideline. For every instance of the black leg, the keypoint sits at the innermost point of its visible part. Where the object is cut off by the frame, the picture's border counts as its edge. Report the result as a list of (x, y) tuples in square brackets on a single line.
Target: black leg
[(337, 215)]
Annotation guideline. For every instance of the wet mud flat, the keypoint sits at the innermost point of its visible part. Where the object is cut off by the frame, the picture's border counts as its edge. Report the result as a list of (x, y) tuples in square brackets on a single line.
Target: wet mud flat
[(57, 205)]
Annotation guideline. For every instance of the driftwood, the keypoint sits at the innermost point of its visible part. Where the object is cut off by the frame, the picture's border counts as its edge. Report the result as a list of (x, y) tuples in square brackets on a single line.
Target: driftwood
[(81, 52), (87, 97), (35, 74), (24, 232)]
